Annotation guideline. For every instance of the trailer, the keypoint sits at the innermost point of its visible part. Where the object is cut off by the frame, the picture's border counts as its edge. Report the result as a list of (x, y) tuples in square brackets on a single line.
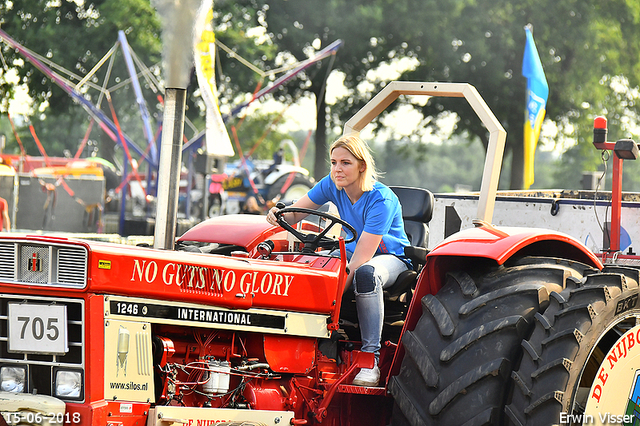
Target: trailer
[(585, 215)]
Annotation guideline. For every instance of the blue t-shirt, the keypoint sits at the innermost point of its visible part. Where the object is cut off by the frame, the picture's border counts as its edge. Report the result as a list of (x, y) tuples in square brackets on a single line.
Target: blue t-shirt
[(377, 212)]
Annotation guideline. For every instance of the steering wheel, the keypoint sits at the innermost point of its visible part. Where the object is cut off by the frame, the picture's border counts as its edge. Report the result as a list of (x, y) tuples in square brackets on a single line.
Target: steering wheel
[(314, 241)]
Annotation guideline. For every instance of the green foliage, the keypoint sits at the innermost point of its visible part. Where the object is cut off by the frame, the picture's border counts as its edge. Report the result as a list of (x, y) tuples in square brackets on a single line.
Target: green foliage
[(475, 41), (233, 21), (75, 37), (438, 168), (583, 45), (11, 145), (257, 133)]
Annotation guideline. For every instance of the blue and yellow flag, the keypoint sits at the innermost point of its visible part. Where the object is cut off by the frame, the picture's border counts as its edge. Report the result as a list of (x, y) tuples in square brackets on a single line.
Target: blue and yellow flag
[(537, 94)]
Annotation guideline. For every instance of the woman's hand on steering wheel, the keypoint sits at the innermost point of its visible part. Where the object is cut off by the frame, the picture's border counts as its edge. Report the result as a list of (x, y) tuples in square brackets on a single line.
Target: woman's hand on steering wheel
[(311, 241)]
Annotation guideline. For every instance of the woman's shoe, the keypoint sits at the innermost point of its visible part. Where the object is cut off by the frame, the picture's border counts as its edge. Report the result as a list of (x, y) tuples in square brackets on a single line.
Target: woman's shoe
[(368, 377)]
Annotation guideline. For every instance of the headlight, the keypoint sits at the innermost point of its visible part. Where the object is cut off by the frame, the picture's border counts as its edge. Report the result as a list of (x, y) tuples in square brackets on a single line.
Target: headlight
[(68, 384), (13, 379)]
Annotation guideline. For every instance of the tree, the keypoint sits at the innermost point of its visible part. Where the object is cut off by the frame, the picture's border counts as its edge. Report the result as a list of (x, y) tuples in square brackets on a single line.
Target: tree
[(584, 45), (257, 133), (76, 35), (299, 26), (436, 168), (475, 41)]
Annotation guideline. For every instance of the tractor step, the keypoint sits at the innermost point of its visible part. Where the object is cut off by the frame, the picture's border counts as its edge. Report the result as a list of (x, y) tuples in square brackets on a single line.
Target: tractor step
[(362, 390)]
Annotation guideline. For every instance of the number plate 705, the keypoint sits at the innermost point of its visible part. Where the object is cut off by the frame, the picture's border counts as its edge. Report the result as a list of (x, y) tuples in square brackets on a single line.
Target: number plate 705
[(38, 329)]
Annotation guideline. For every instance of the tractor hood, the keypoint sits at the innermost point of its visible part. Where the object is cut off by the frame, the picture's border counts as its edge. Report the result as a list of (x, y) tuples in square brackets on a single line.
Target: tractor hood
[(305, 284), (248, 230)]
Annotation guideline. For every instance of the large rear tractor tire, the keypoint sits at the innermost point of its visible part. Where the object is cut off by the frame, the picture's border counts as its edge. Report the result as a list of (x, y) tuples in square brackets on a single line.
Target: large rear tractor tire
[(582, 360), (459, 358)]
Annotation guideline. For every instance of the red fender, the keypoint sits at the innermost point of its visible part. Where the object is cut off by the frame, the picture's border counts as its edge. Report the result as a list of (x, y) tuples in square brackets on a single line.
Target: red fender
[(502, 243), (486, 241)]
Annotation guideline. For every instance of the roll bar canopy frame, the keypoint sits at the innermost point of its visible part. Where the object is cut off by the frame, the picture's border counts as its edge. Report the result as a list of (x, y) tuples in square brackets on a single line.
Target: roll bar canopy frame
[(497, 134)]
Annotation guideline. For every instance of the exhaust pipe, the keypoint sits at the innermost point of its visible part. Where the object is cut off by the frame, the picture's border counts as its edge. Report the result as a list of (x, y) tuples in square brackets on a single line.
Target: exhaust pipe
[(169, 168)]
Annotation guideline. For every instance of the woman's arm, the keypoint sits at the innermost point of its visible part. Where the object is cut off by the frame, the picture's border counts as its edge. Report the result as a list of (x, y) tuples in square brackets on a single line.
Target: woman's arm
[(365, 249), (6, 221)]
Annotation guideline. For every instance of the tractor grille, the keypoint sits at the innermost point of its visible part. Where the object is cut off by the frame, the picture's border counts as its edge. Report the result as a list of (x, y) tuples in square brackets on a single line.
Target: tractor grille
[(72, 266), (45, 264), (41, 368), (7, 261)]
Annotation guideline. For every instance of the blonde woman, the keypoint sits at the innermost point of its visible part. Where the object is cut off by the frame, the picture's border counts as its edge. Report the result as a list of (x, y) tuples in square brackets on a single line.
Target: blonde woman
[(377, 257)]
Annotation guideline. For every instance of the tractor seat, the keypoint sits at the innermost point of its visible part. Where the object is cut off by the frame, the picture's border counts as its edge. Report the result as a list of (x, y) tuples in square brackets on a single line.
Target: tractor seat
[(417, 210)]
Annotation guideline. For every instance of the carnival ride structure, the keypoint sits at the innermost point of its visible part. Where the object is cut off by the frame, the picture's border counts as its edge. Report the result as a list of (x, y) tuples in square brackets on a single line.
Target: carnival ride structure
[(131, 180)]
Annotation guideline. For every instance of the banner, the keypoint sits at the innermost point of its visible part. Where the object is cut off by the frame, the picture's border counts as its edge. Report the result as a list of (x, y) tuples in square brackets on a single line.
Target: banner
[(537, 94), (217, 140)]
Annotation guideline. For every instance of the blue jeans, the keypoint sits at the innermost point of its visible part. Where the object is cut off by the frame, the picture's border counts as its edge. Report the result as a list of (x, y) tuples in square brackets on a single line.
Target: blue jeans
[(368, 282)]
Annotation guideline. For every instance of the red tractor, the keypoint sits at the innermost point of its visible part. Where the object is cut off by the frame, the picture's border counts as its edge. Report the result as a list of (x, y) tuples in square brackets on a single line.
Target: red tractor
[(244, 323)]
